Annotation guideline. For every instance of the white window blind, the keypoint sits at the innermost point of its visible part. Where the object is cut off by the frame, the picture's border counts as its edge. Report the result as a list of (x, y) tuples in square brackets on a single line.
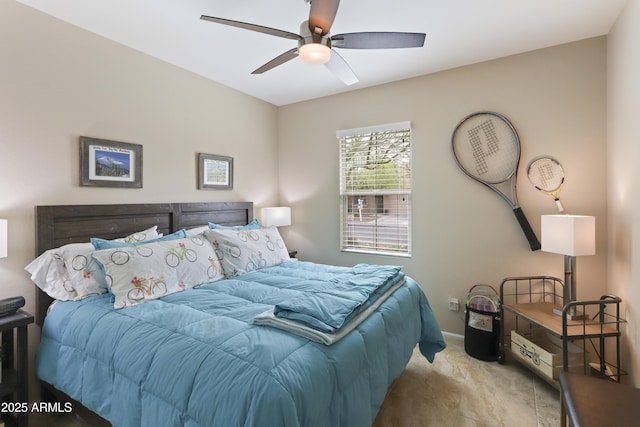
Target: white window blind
[(375, 189)]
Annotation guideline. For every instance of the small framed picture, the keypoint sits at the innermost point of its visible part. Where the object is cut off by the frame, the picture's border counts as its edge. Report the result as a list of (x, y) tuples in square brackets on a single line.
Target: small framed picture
[(215, 172), (106, 163)]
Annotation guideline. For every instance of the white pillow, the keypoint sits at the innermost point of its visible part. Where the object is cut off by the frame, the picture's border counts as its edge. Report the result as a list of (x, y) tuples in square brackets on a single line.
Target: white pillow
[(65, 273), (70, 273), (197, 230), (242, 251), (141, 236), (139, 273)]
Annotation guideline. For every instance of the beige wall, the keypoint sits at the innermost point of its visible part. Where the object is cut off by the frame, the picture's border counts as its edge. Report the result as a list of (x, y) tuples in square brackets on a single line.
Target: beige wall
[(58, 82), (623, 110), (463, 233)]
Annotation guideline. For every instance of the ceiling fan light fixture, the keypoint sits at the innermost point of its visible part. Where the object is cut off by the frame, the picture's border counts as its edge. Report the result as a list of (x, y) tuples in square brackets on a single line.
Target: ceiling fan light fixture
[(314, 53)]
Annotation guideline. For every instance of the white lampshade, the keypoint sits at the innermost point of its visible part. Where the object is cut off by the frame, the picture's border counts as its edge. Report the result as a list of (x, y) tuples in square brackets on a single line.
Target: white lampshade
[(573, 235), (3, 238), (279, 216)]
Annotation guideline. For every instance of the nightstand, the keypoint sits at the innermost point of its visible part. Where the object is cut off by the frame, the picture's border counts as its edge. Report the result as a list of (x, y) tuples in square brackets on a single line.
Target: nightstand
[(15, 410)]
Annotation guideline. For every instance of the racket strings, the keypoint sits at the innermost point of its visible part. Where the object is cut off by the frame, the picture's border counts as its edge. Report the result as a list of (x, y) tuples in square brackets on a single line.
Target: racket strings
[(479, 154), (487, 149), (546, 175)]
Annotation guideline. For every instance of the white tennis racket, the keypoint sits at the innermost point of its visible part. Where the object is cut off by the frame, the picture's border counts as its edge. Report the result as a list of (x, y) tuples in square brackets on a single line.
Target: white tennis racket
[(547, 175), (487, 148)]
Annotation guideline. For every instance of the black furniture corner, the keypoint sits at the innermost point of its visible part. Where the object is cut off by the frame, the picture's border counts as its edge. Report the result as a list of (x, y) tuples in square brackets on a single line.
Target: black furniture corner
[(596, 402), (14, 388)]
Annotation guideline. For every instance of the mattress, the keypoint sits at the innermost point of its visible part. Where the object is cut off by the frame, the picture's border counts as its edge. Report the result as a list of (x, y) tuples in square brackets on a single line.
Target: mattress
[(196, 358)]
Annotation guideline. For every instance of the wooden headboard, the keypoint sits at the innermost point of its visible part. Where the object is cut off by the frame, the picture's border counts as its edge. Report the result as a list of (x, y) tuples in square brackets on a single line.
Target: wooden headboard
[(58, 225)]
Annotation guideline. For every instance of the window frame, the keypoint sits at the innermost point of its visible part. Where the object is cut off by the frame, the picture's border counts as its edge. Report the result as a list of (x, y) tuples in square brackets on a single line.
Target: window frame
[(345, 193)]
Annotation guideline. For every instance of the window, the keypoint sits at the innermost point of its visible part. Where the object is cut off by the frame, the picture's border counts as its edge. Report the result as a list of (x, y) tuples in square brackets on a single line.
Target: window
[(375, 189)]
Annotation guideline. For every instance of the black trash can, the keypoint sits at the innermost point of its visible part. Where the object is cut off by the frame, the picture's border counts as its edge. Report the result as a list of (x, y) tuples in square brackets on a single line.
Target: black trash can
[(482, 323)]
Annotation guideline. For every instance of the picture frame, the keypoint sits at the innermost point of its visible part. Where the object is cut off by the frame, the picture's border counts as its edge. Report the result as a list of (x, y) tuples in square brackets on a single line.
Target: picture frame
[(105, 163), (215, 172)]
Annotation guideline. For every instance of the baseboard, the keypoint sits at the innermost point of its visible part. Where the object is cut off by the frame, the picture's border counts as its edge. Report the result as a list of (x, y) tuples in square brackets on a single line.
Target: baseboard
[(451, 335)]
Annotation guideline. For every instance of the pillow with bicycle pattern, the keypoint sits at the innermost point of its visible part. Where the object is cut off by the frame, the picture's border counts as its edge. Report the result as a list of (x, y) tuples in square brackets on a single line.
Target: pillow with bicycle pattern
[(70, 273), (243, 251), (139, 273)]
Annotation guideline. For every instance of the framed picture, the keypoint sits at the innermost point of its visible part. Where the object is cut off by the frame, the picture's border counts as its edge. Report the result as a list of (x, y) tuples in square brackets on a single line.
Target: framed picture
[(215, 172), (106, 163)]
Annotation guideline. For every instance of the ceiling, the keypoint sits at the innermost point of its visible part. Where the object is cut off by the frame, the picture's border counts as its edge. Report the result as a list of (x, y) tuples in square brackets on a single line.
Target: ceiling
[(459, 32)]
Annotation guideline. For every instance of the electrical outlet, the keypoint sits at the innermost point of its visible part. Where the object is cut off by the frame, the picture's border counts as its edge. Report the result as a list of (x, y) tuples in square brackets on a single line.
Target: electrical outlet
[(454, 304)]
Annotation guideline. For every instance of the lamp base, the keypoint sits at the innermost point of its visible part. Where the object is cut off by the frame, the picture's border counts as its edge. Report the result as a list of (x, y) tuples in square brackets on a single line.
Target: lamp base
[(574, 315)]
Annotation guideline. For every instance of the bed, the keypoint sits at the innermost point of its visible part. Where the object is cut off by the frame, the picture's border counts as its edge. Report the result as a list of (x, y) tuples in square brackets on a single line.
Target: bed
[(198, 357)]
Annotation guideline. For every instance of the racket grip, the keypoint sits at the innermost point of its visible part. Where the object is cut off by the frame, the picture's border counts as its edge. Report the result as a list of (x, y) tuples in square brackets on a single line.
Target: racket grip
[(534, 243), (559, 206)]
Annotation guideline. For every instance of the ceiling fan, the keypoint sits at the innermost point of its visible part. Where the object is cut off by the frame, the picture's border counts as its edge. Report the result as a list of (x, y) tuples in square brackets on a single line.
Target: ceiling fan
[(316, 45)]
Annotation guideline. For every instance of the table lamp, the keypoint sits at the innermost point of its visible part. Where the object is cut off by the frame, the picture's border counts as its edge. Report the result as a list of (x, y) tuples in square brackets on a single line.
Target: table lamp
[(278, 216), (571, 236)]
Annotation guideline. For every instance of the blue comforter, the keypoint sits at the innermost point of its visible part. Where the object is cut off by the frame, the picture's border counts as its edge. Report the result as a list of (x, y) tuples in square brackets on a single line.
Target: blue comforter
[(328, 301), (195, 358)]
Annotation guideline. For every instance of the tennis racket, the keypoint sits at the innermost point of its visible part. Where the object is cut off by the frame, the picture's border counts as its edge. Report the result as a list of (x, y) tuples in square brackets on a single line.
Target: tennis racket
[(547, 175), (486, 147)]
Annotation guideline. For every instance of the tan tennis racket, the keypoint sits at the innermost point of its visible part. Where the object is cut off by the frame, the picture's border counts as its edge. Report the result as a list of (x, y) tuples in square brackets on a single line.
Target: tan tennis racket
[(547, 175)]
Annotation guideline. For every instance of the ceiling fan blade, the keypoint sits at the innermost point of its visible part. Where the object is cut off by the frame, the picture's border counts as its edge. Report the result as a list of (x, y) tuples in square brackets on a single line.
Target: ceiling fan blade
[(252, 27), (278, 60), (339, 67), (377, 40), (322, 14)]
